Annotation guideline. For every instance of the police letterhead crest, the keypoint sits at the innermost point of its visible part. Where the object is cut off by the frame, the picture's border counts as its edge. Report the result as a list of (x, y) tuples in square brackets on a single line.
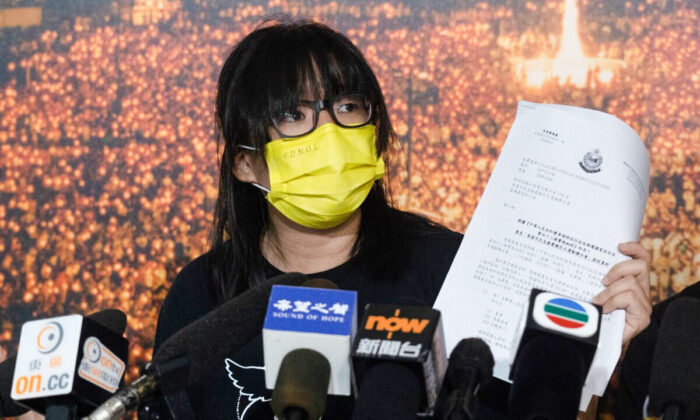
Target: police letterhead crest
[(592, 161)]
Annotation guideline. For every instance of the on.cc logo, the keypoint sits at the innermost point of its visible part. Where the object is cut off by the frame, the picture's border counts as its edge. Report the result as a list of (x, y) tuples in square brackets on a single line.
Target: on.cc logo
[(49, 337)]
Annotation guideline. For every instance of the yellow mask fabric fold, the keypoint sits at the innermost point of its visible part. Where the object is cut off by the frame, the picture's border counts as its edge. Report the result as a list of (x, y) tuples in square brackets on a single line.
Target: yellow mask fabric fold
[(320, 179)]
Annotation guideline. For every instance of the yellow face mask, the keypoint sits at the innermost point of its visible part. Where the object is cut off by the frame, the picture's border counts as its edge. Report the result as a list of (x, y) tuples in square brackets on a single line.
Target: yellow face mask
[(320, 179)]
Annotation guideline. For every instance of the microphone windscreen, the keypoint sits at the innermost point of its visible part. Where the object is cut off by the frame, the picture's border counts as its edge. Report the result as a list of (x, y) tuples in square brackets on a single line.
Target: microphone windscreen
[(471, 353), (210, 339), (320, 284), (675, 370), (388, 391), (302, 382), (113, 319), (547, 380)]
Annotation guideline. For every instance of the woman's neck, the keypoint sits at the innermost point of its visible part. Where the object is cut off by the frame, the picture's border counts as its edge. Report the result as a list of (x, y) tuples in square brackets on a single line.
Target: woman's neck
[(291, 247)]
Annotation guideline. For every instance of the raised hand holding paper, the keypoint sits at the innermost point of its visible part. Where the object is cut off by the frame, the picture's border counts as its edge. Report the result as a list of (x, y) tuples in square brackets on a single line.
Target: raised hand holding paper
[(569, 185)]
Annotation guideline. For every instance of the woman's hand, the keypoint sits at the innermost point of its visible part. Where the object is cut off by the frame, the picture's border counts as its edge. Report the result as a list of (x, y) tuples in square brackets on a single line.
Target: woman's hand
[(627, 287)]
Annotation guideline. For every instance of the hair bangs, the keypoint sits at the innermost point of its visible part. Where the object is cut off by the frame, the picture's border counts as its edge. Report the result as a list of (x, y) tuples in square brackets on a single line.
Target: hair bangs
[(302, 62), (342, 69), (296, 78)]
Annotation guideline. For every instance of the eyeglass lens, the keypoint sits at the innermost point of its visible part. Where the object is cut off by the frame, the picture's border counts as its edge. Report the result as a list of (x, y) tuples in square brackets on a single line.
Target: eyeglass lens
[(348, 111)]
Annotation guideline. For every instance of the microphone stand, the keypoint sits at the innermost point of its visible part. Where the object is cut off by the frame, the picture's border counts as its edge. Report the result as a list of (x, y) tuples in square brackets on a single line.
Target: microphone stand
[(461, 405)]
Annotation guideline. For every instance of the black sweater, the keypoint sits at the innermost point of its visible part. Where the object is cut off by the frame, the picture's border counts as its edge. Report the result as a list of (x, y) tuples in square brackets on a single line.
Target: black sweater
[(237, 388)]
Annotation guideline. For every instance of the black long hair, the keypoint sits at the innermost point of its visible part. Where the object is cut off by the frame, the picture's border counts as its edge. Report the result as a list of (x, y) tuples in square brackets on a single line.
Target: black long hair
[(265, 74)]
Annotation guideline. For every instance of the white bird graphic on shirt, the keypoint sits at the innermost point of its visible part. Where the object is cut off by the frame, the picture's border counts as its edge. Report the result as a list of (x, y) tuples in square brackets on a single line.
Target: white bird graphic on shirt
[(245, 399)]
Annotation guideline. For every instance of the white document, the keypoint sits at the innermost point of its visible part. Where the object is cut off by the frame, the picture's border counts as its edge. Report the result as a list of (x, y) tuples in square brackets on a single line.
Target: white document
[(569, 185)]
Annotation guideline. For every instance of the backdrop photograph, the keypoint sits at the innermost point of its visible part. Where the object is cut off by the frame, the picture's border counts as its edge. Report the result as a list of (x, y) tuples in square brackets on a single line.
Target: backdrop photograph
[(108, 150)]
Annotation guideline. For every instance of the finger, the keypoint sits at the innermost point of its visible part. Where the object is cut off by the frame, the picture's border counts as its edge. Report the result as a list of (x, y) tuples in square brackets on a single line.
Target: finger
[(631, 302), (610, 301), (635, 268), (613, 289), (624, 269), (635, 250)]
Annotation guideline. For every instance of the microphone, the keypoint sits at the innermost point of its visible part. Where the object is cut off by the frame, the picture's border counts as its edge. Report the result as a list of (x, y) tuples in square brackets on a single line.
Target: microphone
[(113, 319), (305, 329), (389, 390), (302, 385), (470, 366), (233, 324), (67, 365), (553, 357), (407, 338), (674, 384), (547, 380)]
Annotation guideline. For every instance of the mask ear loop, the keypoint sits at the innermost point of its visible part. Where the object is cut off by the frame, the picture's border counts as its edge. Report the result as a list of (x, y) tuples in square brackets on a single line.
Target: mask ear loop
[(245, 146), (255, 184)]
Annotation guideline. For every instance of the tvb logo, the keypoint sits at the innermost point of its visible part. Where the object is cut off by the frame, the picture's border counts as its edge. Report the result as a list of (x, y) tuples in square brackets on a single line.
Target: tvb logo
[(396, 323)]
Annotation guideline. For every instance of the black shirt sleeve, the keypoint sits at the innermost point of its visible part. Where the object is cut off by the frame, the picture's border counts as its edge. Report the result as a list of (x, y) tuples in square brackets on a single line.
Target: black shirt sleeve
[(189, 299)]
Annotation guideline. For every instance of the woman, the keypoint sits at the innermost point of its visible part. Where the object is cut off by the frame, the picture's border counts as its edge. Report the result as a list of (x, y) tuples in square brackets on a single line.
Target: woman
[(302, 188)]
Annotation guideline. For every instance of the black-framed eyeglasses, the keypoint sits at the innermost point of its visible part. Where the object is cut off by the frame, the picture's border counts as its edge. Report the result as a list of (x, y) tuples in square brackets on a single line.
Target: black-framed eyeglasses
[(348, 110)]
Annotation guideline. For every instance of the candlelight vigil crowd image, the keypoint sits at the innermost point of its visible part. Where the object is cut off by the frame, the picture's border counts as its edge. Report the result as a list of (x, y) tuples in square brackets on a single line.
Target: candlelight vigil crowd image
[(368, 209)]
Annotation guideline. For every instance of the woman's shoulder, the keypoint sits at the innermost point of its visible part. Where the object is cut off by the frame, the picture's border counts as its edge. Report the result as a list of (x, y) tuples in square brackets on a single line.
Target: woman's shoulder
[(192, 276), (422, 243), (692, 291), (427, 252), (427, 233), (193, 283)]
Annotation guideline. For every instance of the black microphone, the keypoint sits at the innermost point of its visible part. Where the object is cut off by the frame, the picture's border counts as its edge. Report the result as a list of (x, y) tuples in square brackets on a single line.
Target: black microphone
[(389, 390), (556, 350), (547, 380), (470, 367), (674, 384), (233, 324), (302, 385), (114, 319), (410, 336), (66, 366)]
